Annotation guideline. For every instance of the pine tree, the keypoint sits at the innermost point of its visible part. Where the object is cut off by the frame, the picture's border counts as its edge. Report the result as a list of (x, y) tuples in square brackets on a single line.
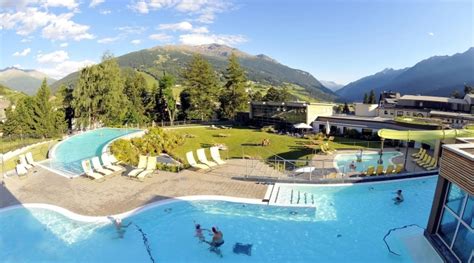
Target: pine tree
[(372, 99), (366, 98), (277, 95), (257, 96), (201, 86), (346, 108), (233, 97), (135, 90), (43, 115)]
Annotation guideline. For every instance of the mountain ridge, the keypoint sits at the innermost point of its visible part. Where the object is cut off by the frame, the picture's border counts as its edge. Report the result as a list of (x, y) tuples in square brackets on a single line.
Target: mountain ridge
[(436, 75), (174, 58), (23, 80)]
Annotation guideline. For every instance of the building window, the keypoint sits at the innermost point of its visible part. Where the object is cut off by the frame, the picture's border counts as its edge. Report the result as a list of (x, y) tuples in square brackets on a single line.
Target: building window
[(456, 226), (385, 112), (399, 113)]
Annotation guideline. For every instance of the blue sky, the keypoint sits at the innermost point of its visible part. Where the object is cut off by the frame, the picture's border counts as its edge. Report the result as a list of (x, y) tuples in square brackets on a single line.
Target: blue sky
[(333, 40)]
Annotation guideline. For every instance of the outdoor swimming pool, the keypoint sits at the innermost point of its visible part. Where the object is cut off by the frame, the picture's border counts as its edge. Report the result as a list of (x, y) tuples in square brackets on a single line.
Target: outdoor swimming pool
[(342, 161), (348, 223), (66, 157)]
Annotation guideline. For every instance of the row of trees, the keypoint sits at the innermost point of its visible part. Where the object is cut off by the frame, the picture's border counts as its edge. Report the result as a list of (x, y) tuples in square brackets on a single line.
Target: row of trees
[(36, 116), (107, 95), (370, 98)]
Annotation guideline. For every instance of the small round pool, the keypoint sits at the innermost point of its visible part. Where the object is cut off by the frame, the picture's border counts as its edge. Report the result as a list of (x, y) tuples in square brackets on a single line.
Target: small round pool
[(343, 161)]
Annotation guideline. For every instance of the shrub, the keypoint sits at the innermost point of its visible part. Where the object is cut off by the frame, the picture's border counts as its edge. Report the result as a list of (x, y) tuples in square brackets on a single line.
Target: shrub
[(269, 129), (125, 151), (168, 167)]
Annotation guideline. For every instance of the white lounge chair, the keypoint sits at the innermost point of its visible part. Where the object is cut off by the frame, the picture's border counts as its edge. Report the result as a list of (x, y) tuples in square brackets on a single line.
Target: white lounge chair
[(150, 168), (108, 164), (203, 159), (140, 168), (193, 163), (29, 158), (21, 171), (98, 167), (24, 162), (216, 156), (112, 159), (86, 166)]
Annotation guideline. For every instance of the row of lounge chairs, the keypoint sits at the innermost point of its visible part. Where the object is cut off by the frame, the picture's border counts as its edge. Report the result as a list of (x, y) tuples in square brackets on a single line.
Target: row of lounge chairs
[(391, 169), (204, 162), (97, 171), (424, 160), (26, 163), (146, 167), (325, 148)]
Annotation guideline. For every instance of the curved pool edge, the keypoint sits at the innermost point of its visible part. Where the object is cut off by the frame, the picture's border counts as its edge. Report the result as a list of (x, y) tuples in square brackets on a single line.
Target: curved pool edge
[(138, 210), (334, 162), (52, 151)]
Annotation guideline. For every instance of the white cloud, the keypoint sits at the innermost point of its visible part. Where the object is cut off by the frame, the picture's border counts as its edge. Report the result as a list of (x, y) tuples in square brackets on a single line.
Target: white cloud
[(69, 4), (62, 28), (23, 53), (105, 12), (201, 30), (26, 39), (431, 34), (205, 10), (18, 66), (182, 26), (95, 3), (53, 57), (132, 29), (136, 41), (107, 40), (160, 37), (202, 39), (66, 67), (55, 27), (65, 44)]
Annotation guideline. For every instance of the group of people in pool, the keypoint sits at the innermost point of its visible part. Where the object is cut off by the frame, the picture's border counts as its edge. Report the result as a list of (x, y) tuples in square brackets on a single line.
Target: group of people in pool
[(217, 238)]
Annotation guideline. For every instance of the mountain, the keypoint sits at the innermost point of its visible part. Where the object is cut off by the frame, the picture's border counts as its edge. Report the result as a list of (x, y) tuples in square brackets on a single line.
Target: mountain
[(438, 76), (173, 59), (331, 85), (354, 91), (10, 94), (23, 80)]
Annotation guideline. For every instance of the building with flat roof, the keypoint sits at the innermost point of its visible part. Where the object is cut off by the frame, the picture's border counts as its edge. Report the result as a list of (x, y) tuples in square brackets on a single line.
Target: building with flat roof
[(288, 113), (451, 227)]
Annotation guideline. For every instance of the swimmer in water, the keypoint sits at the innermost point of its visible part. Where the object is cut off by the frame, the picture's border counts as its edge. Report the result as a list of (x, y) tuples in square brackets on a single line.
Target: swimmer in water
[(217, 241), (199, 233), (120, 227), (399, 198)]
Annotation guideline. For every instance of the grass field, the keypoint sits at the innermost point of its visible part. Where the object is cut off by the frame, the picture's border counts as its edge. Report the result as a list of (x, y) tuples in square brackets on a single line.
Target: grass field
[(9, 145), (39, 152), (247, 142)]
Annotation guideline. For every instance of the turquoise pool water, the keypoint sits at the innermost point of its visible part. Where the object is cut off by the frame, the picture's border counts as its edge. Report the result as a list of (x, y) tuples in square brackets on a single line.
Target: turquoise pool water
[(67, 156), (343, 161), (347, 224)]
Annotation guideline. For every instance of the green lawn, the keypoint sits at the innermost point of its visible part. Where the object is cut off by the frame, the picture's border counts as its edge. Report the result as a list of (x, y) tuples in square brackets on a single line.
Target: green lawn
[(7, 145), (39, 152), (246, 142)]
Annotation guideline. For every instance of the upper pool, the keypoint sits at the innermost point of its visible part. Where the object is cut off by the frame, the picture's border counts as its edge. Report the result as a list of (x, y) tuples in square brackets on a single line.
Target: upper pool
[(347, 224), (66, 157), (343, 161)]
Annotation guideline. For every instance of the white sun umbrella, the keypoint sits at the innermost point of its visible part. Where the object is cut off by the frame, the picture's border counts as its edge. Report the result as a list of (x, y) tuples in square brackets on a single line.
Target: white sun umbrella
[(328, 128), (302, 126)]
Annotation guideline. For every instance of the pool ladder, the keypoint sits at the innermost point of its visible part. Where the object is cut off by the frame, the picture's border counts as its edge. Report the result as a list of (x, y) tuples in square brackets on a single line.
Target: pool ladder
[(301, 198)]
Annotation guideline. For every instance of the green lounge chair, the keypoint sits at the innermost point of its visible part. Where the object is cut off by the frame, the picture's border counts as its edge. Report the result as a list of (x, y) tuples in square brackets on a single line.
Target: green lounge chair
[(390, 169), (379, 170), (370, 171), (399, 168)]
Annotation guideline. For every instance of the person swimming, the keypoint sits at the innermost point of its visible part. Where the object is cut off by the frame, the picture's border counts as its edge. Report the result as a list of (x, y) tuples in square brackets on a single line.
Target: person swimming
[(217, 241), (199, 234), (120, 227), (352, 166), (399, 198)]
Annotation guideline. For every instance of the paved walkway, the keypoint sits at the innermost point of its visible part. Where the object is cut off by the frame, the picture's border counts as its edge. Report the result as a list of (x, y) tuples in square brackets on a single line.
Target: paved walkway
[(119, 194)]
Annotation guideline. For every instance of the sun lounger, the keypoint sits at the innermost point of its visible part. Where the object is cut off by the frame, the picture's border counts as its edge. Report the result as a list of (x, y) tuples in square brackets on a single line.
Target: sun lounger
[(390, 169), (193, 163), (425, 160), (108, 164), (86, 166), (399, 168), (21, 171), (433, 167), (216, 157), (379, 170), (418, 153), (140, 168), (421, 157), (24, 162), (112, 159), (29, 159), (429, 163), (98, 167), (370, 171), (150, 168), (201, 154)]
